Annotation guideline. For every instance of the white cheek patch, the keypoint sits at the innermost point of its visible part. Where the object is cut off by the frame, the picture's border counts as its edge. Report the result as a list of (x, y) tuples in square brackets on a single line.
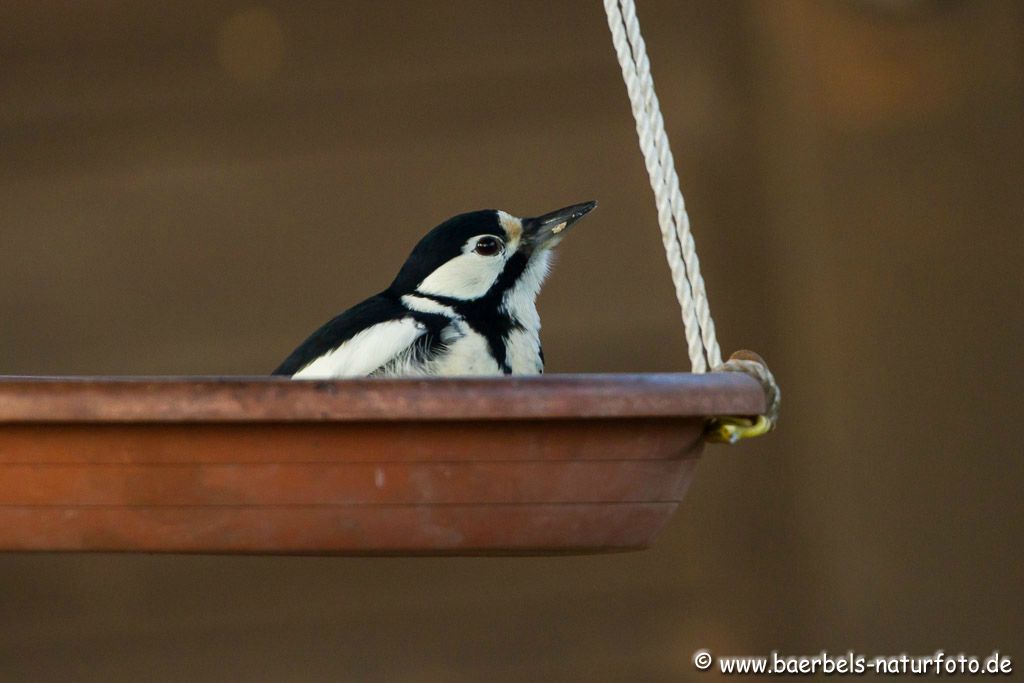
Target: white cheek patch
[(470, 275), (467, 276)]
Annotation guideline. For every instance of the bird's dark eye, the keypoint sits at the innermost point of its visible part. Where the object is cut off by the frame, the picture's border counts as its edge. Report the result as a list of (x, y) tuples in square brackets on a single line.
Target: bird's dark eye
[(488, 246)]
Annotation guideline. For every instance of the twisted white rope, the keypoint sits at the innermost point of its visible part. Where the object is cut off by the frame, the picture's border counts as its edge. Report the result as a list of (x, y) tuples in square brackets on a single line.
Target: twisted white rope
[(680, 250)]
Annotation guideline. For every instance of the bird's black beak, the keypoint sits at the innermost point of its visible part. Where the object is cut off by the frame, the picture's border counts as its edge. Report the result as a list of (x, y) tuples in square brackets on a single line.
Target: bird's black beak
[(548, 230)]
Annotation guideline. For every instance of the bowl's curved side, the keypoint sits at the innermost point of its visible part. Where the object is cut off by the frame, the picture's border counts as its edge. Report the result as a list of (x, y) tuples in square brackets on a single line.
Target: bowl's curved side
[(529, 465), (525, 486)]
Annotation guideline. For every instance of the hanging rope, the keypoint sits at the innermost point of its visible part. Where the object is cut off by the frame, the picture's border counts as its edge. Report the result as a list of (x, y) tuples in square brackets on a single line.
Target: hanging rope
[(672, 217), (680, 250)]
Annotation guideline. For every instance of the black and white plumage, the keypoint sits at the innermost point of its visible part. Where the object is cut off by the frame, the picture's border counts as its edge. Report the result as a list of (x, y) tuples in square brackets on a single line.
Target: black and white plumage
[(462, 304)]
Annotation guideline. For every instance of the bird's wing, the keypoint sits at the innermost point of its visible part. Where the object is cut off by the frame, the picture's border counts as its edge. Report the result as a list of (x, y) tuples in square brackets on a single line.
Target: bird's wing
[(366, 351), (355, 343)]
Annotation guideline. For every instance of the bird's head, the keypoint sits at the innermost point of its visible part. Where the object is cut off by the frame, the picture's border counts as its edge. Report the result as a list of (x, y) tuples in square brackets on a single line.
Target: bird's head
[(485, 254)]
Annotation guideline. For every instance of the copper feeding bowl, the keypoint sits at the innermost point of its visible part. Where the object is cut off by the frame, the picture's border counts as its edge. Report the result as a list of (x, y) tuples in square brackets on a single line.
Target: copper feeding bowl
[(531, 465)]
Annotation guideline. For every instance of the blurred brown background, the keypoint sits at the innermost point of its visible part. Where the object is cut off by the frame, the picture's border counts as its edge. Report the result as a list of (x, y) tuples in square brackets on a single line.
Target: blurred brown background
[(192, 187)]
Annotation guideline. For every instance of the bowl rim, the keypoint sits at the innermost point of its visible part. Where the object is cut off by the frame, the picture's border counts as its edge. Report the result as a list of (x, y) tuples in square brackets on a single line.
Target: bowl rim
[(244, 399)]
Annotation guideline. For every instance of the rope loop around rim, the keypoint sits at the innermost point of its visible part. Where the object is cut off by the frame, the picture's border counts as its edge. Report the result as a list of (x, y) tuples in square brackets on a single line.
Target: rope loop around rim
[(734, 428)]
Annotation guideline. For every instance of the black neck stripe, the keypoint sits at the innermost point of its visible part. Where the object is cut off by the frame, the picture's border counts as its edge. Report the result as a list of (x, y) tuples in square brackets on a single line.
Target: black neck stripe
[(485, 314)]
